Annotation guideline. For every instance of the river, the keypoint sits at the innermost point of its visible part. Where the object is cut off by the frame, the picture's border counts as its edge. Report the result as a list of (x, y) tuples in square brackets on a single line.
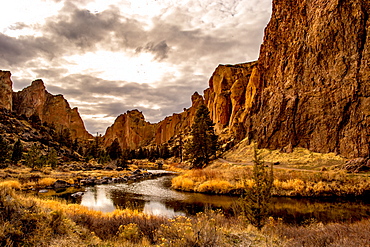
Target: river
[(154, 196)]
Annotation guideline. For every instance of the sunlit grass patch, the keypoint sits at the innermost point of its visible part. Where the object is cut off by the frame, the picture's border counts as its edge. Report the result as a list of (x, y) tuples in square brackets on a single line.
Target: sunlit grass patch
[(13, 184), (215, 186), (45, 182), (299, 157)]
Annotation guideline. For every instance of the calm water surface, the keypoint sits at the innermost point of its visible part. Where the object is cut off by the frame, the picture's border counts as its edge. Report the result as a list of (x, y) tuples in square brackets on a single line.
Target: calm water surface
[(154, 196)]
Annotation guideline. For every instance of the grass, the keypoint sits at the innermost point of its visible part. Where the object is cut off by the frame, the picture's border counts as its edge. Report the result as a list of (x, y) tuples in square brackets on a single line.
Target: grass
[(25, 178), (234, 179), (299, 158)]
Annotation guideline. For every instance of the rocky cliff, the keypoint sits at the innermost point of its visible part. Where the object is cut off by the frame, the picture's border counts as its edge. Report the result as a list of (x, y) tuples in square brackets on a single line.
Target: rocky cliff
[(310, 88), (132, 131), (35, 100), (313, 82), (6, 90), (53, 109), (229, 96)]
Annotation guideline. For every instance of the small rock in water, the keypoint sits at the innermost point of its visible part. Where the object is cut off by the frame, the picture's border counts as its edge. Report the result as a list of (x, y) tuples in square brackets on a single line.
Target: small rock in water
[(77, 194)]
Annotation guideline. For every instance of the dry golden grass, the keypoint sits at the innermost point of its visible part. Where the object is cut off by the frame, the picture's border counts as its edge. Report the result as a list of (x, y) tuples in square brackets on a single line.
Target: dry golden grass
[(300, 157), (234, 179), (13, 184), (44, 182)]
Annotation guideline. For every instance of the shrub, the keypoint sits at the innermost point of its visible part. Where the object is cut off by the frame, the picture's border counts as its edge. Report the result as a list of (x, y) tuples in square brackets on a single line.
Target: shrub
[(215, 186), (203, 230), (183, 183), (130, 232)]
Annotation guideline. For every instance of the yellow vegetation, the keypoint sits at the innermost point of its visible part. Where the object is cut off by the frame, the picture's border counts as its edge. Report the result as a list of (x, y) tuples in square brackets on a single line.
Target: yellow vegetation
[(215, 186), (234, 179), (14, 184), (44, 182)]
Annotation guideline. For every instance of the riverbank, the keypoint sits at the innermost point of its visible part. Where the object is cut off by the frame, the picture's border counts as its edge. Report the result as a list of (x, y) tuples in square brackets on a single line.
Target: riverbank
[(31, 221), (299, 173), (73, 175), (234, 179)]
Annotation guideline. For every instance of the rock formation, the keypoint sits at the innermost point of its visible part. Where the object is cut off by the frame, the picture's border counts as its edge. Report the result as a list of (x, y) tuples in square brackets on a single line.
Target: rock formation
[(6, 90), (177, 123), (131, 130), (52, 109), (229, 97), (314, 78)]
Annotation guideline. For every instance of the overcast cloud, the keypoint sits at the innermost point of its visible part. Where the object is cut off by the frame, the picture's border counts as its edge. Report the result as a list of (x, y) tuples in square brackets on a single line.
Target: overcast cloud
[(143, 54)]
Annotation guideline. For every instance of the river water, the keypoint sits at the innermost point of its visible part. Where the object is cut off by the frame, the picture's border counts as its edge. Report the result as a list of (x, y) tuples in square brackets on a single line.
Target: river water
[(154, 196)]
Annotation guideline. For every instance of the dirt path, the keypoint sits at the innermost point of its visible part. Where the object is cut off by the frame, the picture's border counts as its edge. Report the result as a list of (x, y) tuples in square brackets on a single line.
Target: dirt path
[(268, 163)]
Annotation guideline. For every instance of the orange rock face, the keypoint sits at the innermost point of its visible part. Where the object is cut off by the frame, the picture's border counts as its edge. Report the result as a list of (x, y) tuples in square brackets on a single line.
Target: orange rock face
[(131, 130), (6, 90), (228, 97), (313, 86), (53, 109)]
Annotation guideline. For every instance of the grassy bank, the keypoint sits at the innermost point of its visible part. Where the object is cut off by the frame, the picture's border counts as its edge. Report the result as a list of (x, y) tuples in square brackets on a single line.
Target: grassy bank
[(224, 178), (299, 173), (30, 221)]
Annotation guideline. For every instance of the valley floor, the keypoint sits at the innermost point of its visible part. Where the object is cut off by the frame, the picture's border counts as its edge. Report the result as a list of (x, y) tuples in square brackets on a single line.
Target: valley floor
[(26, 220)]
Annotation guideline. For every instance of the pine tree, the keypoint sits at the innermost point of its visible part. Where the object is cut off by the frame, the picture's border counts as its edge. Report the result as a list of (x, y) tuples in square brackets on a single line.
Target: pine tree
[(4, 150), (203, 142), (257, 199), (17, 152), (114, 150), (34, 157), (52, 158)]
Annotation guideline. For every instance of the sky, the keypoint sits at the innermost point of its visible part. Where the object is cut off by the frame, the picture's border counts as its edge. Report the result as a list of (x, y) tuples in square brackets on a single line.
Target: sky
[(108, 57)]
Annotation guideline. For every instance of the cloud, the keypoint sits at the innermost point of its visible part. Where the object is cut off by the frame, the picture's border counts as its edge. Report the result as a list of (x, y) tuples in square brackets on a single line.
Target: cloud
[(160, 50), (189, 37)]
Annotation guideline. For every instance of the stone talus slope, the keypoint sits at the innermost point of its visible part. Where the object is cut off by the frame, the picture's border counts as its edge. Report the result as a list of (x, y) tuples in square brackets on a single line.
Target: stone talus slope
[(314, 78)]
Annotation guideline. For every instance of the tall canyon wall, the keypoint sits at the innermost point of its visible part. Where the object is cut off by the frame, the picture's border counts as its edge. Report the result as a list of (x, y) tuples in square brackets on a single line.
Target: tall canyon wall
[(314, 78)]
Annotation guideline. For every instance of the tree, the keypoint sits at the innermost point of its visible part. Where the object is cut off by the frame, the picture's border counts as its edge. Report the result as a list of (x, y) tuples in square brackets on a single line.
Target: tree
[(52, 158), (17, 152), (203, 142), (64, 138), (114, 150), (34, 158), (255, 203), (4, 150)]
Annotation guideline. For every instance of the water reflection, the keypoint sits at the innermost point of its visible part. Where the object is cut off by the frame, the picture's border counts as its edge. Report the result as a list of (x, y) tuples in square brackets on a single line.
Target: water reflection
[(98, 199), (149, 196), (159, 209)]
